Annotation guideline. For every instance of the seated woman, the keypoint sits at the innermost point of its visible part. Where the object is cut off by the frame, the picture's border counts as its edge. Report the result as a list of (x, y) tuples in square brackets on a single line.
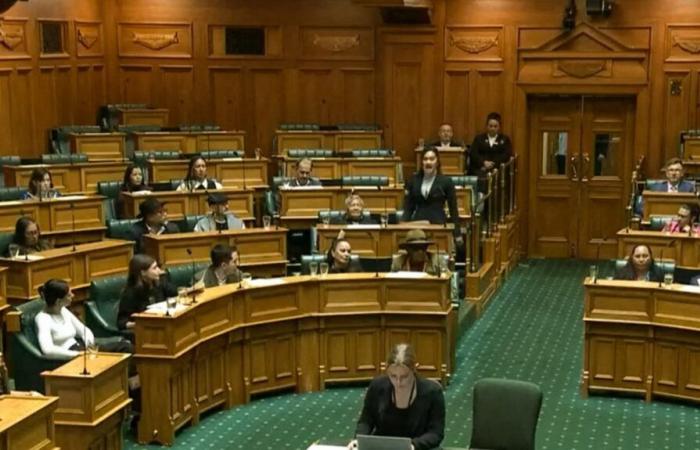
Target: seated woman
[(27, 238), (132, 182), (224, 267), (640, 266), (144, 286), (686, 217), (403, 404), (416, 257), (40, 186), (354, 207), (61, 335), (196, 178), (339, 260)]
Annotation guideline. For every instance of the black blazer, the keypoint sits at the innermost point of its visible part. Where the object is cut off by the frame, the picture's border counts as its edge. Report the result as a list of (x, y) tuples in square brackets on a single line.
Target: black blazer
[(481, 151), (139, 229), (135, 300), (453, 143), (627, 273), (432, 209), (346, 220)]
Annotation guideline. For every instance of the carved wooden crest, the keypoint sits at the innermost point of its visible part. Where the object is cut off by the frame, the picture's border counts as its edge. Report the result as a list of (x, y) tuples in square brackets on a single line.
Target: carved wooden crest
[(11, 38), (156, 41), (583, 68), (87, 38), (474, 44), (336, 44), (690, 45)]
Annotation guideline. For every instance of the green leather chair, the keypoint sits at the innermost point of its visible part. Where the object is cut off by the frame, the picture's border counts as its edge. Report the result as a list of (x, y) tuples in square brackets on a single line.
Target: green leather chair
[(358, 127), (107, 116), (395, 217), (5, 241), (370, 180), (270, 203), (279, 181), (110, 189), (300, 127), (334, 214), (120, 228), (10, 160), (26, 353), (102, 308), (11, 193), (467, 181), (60, 137), (187, 224), (181, 275), (220, 154), (138, 128), (309, 153), (658, 223), (140, 157), (68, 158), (372, 153), (318, 258), (666, 266), (650, 183), (505, 414)]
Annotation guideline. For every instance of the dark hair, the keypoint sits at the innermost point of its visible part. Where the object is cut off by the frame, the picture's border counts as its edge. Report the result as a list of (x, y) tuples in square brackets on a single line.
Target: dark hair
[(329, 255), (674, 160), (138, 263), (493, 116), (630, 263), (126, 182), (221, 253), (21, 226), (437, 155), (36, 177), (53, 290), (190, 168)]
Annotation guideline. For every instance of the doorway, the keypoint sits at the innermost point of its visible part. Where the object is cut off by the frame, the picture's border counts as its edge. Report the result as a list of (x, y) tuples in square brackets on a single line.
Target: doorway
[(581, 154)]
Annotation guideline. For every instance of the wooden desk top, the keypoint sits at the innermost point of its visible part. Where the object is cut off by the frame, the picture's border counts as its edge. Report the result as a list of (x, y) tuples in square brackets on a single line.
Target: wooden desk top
[(16, 408), (67, 251), (106, 133), (200, 192), (96, 366), (54, 201), (329, 132)]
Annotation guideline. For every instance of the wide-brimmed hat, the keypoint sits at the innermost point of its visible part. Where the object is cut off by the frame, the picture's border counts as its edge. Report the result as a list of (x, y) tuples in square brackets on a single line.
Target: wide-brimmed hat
[(415, 238), (217, 199), (150, 206)]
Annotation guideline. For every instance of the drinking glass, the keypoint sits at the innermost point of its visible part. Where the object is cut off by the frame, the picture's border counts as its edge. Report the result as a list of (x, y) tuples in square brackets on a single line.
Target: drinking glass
[(182, 295), (324, 269), (668, 279), (171, 302), (313, 268), (326, 219), (14, 250), (92, 350), (384, 219), (267, 220), (593, 271)]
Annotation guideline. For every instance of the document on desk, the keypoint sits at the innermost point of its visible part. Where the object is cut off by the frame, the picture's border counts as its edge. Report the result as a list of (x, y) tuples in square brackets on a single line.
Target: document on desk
[(161, 307), (264, 282), (363, 226), (326, 447), (71, 197), (407, 274)]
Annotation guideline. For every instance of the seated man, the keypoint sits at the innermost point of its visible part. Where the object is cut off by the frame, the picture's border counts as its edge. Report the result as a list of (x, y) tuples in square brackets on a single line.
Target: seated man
[(445, 138), (154, 220), (415, 256), (303, 175), (224, 267), (219, 217), (674, 179), (353, 213)]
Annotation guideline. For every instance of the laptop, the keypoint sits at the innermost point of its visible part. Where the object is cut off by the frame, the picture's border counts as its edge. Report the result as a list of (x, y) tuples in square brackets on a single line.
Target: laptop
[(365, 442)]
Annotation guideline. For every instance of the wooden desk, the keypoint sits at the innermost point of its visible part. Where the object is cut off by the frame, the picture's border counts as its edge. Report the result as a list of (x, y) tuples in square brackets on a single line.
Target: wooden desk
[(180, 204), (665, 203), (55, 217), (82, 177), (92, 407), (144, 116), (366, 242), (335, 168), (89, 261), (229, 172), (26, 422), (331, 140), (452, 160), (99, 146), (262, 252), (683, 249), (641, 338), (296, 332), (189, 141)]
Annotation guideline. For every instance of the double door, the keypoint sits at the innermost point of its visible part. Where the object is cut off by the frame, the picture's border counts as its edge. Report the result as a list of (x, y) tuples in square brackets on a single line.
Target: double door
[(581, 154)]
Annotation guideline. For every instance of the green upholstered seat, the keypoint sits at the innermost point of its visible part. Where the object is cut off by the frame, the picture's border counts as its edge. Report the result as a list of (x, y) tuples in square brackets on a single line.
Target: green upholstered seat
[(143, 156), (68, 158), (309, 153), (187, 224), (365, 180), (318, 258), (659, 222), (138, 128), (357, 127), (181, 275), (5, 241), (11, 193), (650, 183), (109, 189), (120, 229), (666, 266), (372, 153), (505, 414), (279, 181), (300, 127), (395, 216), (467, 181), (220, 154), (270, 203), (102, 308), (336, 214), (10, 160), (26, 353)]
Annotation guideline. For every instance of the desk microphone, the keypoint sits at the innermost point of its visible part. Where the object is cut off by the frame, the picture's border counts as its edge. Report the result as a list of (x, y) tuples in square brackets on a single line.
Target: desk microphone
[(597, 258), (85, 345), (72, 221), (376, 252), (243, 168), (661, 257), (194, 291)]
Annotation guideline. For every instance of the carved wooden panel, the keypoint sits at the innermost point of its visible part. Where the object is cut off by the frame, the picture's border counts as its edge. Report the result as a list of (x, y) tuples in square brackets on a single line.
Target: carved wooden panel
[(336, 43), (457, 97), (13, 39), (474, 43), (155, 40), (677, 108), (88, 39), (683, 43), (666, 367)]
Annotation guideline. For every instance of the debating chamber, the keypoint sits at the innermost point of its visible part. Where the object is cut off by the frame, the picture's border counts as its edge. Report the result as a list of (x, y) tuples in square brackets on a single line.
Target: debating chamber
[(349, 224)]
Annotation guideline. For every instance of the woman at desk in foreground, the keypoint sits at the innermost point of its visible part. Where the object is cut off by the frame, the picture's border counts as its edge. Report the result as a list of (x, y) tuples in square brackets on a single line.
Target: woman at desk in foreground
[(640, 266), (403, 404), (27, 239)]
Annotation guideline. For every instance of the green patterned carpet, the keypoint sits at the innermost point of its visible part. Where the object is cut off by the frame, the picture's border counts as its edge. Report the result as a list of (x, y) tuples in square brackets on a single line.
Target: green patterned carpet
[(531, 331)]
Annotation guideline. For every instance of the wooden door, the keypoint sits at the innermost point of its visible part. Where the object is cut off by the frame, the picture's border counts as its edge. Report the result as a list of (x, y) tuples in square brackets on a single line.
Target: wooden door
[(581, 154)]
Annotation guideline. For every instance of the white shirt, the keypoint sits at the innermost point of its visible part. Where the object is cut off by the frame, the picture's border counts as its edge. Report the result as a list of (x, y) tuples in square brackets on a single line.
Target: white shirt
[(492, 140), (57, 332), (672, 187), (427, 185), (197, 185)]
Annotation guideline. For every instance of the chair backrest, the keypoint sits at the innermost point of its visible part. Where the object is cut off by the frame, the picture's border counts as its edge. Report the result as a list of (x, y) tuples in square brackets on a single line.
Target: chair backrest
[(10, 160), (140, 157), (28, 311), (279, 181), (270, 203), (11, 193), (467, 181), (187, 224), (199, 127), (659, 222), (366, 180), (5, 241), (138, 128), (309, 153), (300, 127), (505, 414), (63, 158), (372, 153), (395, 217), (181, 275), (336, 214), (651, 183), (219, 154), (357, 127), (666, 266), (109, 189), (120, 229), (307, 259), (106, 293)]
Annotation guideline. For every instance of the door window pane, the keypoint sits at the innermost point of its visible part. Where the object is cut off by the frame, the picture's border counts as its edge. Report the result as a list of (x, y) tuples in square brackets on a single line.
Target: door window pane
[(605, 154), (555, 147)]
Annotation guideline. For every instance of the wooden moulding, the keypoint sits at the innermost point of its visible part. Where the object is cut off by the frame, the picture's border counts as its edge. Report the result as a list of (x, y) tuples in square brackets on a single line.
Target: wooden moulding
[(482, 284)]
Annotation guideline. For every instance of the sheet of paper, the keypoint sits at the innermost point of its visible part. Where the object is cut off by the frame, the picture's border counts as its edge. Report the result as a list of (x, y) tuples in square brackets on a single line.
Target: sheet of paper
[(407, 274), (161, 307), (263, 282), (72, 197), (363, 226)]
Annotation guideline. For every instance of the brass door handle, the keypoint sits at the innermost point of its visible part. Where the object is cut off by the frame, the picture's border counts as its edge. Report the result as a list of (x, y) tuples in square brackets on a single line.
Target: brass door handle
[(585, 170), (574, 171)]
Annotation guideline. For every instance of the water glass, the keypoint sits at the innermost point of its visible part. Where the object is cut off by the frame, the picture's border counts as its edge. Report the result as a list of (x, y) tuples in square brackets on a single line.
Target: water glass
[(384, 219), (92, 350), (324, 269), (171, 302), (326, 220), (267, 220), (14, 250), (313, 268), (593, 272), (182, 295), (668, 279)]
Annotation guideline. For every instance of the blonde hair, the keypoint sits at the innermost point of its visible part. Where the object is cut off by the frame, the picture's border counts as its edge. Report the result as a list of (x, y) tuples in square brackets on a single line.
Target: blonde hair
[(352, 197), (402, 354)]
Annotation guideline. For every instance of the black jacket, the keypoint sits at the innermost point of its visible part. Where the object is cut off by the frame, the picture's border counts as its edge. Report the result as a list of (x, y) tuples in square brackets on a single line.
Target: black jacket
[(346, 220), (432, 209), (627, 273), (139, 229), (481, 151), (135, 300)]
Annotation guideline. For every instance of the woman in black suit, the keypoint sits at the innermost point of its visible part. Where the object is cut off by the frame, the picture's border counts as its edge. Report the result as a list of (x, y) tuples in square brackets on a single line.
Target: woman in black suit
[(491, 149), (426, 194)]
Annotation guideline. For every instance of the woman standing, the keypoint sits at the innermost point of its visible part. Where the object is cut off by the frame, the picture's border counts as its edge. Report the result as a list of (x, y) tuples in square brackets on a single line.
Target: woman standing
[(490, 149)]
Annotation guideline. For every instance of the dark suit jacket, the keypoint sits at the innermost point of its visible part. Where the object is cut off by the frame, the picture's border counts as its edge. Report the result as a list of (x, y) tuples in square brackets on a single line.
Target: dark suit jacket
[(345, 220), (432, 209), (627, 273), (683, 186), (453, 143), (481, 151), (353, 267), (134, 300), (139, 229)]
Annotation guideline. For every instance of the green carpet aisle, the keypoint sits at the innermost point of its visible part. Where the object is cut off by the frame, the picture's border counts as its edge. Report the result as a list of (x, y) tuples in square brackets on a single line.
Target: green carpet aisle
[(531, 331)]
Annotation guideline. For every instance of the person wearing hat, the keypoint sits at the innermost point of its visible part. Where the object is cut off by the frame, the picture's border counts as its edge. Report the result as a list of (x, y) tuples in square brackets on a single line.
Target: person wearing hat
[(219, 217), (154, 220), (414, 255)]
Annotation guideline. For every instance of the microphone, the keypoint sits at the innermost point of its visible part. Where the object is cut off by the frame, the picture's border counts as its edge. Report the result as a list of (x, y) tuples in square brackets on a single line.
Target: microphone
[(386, 215), (661, 257), (72, 220), (194, 291), (597, 258), (243, 168), (85, 345)]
